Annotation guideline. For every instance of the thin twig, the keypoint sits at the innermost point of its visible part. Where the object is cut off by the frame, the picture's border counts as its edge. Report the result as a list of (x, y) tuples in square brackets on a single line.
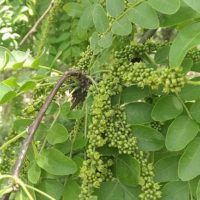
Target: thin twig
[(33, 127), (37, 23), (147, 35)]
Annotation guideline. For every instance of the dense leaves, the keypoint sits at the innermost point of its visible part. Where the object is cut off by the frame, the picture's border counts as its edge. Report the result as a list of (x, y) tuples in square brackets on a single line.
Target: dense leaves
[(129, 129)]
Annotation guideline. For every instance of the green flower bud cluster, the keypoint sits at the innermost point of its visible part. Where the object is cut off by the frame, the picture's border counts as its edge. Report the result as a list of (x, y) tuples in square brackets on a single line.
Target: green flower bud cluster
[(38, 100), (118, 133), (109, 126), (142, 76), (135, 52), (8, 155), (32, 109), (156, 125), (85, 60), (152, 47), (25, 168), (130, 53), (172, 79), (95, 169), (93, 172), (194, 54), (149, 189), (48, 25)]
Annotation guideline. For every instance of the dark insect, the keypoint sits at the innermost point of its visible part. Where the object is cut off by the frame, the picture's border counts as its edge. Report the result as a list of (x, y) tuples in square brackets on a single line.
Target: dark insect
[(137, 59), (79, 95)]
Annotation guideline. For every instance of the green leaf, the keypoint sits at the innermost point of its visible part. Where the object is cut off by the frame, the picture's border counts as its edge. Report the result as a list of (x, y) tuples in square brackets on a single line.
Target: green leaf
[(167, 7), (187, 65), (138, 113), (86, 19), (56, 163), (195, 111), (11, 82), (194, 4), (106, 40), (57, 134), (186, 39), (6, 58), (133, 93), (100, 19), (127, 170), (166, 169), (144, 16), (114, 190), (75, 114), (193, 187), (196, 67), (177, 190), (21, 124), (190, 92), (29, 85), (65, 109), (181, 131), (115, 7), (51, 187), (6, 93), (41, 132), (22, 59), (53, 109), (94, 39), (166, 108), (79, 142), (198, 191), (122, 27), (162, 55), (71, 190), (73, 9), (21, 195), (148, 138), (184, 14), (189, 162), (110, 191), (34, 173), (130, 193)]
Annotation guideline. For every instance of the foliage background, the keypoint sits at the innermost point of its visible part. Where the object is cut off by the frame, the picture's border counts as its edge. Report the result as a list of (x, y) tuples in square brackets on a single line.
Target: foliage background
[(105, 27)]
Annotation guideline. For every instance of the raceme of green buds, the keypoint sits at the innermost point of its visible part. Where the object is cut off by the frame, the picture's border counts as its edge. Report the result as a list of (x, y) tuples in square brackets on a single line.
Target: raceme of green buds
[(85, 60), (134, 52), (156, 125), (194, 54), (172, 79), (8, 155), (109, 127)]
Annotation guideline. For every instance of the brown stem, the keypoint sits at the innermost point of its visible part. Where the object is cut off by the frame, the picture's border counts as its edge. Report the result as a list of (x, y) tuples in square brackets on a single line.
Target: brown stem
[(33, 127), (147, 35), (37, 23)]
